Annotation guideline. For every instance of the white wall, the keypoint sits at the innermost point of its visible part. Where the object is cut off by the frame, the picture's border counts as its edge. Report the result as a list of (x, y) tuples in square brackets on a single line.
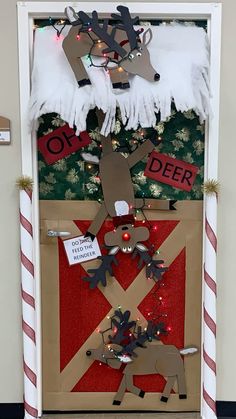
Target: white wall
[(10, 168)]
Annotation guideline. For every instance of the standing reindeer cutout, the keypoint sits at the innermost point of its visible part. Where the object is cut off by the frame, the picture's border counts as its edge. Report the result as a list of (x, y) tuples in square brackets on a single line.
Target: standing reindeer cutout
[(142, 357), (120, 203), (120, 46)]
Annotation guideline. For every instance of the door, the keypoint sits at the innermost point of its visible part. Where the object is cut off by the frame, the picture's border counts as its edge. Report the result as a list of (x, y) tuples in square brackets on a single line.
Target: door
[(73, 315)]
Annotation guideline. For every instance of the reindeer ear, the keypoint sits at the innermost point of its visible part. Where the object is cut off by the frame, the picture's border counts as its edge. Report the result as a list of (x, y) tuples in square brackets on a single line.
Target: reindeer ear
[(111, 238), (147, 37), (141, 234), (141, 247), (71, 14), (125, 359), (114, 250)]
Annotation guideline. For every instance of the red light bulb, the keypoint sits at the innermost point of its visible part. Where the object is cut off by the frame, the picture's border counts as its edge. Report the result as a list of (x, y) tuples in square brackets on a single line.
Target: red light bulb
[(126, 237)]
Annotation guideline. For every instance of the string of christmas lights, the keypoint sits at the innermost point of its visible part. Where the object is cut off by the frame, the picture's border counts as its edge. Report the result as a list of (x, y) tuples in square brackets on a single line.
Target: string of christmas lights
[(130, 332)]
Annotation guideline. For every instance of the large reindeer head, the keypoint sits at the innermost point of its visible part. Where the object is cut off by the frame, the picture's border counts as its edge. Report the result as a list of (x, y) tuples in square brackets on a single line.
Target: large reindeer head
[(137, 57), (122, 42), (125, 238)]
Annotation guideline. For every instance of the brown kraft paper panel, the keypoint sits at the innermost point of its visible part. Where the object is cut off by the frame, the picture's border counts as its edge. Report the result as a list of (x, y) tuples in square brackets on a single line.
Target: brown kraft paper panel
[(57, 395)]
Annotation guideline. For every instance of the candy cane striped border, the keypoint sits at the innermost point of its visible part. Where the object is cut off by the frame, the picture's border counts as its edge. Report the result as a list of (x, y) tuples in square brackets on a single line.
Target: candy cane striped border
[(209, 309), (28, 305)]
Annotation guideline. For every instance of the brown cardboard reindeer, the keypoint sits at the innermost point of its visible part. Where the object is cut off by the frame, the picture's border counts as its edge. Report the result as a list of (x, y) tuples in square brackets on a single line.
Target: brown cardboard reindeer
[(120, 46), (120, 204), (119, 201), (154, 359)]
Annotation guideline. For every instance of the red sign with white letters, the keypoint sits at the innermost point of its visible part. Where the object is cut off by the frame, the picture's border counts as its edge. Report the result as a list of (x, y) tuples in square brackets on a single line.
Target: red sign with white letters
[(61, 143), (165, 169)]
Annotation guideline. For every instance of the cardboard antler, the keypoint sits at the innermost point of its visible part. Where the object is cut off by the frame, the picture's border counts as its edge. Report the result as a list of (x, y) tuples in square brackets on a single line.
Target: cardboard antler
[(102, 32), (127, 25), (154, 268), (99, 274)]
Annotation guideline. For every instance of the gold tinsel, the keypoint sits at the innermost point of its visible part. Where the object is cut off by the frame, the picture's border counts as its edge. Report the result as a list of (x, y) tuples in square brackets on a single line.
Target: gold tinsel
[(25, 183), (211, 187)]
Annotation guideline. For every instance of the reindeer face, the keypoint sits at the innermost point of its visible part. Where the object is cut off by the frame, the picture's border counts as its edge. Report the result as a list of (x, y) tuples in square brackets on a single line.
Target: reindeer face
[(126, 237), (99, 354), (104, 353), (138, 61)]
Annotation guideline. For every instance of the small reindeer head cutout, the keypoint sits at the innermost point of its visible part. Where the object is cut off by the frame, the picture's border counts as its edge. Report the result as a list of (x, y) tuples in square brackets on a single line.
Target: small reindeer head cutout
[(120, 45), (107, 354), (126, 237)]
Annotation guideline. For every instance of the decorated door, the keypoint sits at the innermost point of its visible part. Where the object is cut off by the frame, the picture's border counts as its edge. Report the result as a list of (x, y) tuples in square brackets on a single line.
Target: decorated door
[(120, 211), (74, 316)]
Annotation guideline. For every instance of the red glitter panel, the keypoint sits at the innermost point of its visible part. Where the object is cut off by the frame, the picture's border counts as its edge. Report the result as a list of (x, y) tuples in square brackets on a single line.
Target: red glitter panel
[(101, 378), (173, 304), (81, 310)]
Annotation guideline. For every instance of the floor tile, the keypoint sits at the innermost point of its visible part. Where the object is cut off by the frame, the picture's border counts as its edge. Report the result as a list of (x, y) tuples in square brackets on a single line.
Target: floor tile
[(125, 416)]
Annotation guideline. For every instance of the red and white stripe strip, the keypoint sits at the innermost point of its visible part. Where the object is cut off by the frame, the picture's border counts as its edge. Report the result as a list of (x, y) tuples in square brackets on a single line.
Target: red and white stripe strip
[(28, 305), (209, 311)]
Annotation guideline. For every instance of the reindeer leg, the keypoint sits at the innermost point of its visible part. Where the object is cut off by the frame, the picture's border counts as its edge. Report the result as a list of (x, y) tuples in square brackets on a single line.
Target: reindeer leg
[(80, 73), (159, 204), (182, 385), (168, 387), (131, 387), (119, 78), (120, 393), (97, 222), (140, 152)]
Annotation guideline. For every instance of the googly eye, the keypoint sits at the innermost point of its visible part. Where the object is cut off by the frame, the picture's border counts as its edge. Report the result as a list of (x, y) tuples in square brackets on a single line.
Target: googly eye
[(124, 249), (138, 54), (131, 56), (129, 248)]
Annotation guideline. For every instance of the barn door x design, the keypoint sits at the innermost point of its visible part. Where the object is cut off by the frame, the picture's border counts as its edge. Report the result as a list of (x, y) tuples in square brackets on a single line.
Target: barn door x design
[(73, 314)]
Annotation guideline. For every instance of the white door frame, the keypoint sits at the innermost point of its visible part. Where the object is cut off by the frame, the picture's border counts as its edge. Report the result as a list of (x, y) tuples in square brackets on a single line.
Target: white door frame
[(27, 12)]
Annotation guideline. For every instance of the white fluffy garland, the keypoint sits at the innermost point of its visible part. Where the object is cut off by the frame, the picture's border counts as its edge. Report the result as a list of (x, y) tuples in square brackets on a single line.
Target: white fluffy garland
[(179, 53)]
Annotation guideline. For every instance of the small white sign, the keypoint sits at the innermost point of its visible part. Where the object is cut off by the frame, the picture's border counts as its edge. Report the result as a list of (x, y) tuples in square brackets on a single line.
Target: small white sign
[(5, 137), (81, 249)]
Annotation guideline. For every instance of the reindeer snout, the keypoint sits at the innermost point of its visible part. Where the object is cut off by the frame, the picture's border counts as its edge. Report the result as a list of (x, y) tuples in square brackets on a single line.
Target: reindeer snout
[(88, 353), (157, 77)]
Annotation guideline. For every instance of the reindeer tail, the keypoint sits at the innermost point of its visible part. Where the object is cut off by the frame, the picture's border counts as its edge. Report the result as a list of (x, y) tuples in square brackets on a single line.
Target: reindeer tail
[(188, 351)]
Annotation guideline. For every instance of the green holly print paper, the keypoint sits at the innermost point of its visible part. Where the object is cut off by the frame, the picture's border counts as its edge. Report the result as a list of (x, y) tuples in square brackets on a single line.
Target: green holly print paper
[(73, 179)]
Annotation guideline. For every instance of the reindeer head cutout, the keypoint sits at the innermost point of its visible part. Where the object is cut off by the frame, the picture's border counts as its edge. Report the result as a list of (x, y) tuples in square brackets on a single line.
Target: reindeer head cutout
[(120, 45), (125, 238), (109, 354)]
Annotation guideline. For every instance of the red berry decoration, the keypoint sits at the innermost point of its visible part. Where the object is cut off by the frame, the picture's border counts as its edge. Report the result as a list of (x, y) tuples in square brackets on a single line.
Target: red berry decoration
[(126, 237)]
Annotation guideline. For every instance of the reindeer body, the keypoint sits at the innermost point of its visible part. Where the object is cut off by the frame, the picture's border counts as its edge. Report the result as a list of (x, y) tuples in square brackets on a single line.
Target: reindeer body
[(157, 358), (117, 185), (125, 56), (119, 201)]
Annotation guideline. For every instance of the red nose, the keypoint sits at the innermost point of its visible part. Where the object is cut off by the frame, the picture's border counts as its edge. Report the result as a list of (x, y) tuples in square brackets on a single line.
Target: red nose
[(126, 237)]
